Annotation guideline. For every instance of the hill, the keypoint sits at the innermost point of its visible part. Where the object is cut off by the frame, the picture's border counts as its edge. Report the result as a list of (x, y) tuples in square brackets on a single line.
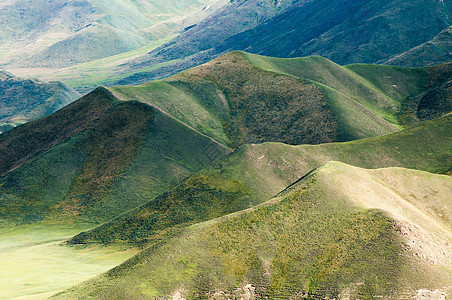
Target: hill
[(23, 100), (55, 34), (255, 173), (435, 51), (231, 98), (360, 31), (340, 232), (94, 159)]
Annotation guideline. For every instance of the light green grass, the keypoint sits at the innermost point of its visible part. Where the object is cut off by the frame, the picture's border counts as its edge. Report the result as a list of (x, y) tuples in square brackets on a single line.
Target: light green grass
[(36, 263), (260, 171), (341, 229)]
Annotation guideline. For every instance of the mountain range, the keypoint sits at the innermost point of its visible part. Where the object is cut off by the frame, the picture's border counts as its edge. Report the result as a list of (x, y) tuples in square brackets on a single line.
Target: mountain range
[(217, 156), (241, 149)]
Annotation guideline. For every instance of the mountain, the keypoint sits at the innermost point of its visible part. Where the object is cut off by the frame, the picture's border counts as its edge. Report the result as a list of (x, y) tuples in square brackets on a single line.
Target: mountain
[(23, 100), (435, 51), (339, 232), (95, 159), (111, 140), (56, 34), (256, 172), (338, 103), (359, 31)]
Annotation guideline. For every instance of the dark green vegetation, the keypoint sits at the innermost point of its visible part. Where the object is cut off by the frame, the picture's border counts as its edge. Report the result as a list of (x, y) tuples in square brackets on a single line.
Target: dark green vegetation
[(432, 52), (94, 159), (23, 100), (255, 173), (323, 237)]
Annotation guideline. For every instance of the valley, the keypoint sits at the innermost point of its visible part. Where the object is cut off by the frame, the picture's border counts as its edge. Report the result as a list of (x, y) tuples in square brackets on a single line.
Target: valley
[(215, 149)]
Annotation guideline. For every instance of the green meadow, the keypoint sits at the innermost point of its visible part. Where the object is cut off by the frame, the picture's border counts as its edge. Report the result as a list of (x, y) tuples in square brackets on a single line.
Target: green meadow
[(37, 263)]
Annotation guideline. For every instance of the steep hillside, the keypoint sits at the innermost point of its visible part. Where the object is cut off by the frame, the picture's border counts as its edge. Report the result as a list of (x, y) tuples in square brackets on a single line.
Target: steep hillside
[(95, 159), (358, 31), (341, 232), (23, 100), (234, 97), (435, 51), (255, 173), (231, 100)]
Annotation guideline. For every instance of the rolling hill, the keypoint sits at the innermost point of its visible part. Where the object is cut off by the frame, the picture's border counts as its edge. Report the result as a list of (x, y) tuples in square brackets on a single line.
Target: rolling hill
[(23, 100), (111, 140), (153, 164), (94, 159), (256, 172), (340, 232), (338, 103)]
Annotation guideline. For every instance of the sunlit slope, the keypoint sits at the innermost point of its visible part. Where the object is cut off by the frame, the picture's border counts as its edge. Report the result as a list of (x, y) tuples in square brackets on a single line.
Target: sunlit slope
[(95, 159), (245, 98), (341, 231), (255, 173), (232, 101), (366, 97)]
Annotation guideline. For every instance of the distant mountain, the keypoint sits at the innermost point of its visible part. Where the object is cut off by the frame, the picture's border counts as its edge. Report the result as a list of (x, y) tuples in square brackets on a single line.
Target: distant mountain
[(23, 100), (358, 31), (55, 34), (435, 51)]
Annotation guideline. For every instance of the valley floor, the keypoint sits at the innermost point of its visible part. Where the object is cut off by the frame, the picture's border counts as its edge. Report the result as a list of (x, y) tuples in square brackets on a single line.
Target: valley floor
[(36, 263)]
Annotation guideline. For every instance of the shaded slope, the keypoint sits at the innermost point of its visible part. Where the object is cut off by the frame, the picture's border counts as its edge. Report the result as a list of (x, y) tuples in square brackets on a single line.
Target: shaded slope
[(255, 173), (96, 158), (432, 52), (341, 231), (23, 100)]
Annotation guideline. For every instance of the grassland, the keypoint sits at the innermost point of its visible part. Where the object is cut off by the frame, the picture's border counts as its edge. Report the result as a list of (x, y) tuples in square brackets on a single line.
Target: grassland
[(95, 159), (341, 231), (36, 264), (245, 98), (255, 173)]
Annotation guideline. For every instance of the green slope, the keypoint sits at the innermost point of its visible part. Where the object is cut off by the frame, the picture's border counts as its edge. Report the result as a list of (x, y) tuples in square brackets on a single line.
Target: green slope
[(23, 100), (340, 232), (432, 52), (242, 98), (234, 102), (95, 159), (255, 173)]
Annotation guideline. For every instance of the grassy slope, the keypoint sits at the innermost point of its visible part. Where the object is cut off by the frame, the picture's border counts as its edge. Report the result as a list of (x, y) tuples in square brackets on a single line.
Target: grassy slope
[(95, 159), (235, 103), (341, 230), (23, 100), (255, 173), (232, 97)]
